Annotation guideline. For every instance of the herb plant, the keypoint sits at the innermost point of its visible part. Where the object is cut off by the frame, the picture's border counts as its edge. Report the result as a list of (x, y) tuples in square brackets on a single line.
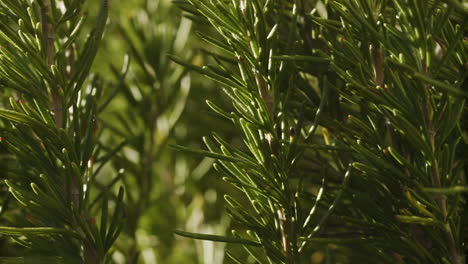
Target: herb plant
[(353, 121), (347, 141)]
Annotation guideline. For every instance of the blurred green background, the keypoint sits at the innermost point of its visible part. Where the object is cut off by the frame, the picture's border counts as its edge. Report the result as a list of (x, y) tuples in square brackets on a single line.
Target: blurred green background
[(157, 103), (149, 102)]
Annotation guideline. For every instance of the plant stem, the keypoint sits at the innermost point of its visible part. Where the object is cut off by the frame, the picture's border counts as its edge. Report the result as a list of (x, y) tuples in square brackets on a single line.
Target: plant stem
[(441, 199), (48, 31), (442, 204), (378, 61), (286, 234), (49, 48), (90, 254)]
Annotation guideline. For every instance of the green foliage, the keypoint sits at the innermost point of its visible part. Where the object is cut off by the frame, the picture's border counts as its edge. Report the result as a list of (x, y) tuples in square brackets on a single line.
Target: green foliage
[(352, 115), (50, 131), (340, 124)]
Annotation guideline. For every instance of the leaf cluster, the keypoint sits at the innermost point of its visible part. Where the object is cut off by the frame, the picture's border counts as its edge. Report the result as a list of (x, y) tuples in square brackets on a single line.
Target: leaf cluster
[(353, 119), (50, 131)]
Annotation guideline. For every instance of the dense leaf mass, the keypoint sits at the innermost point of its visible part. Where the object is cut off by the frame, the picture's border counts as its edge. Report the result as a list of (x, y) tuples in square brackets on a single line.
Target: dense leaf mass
[(337, 131)]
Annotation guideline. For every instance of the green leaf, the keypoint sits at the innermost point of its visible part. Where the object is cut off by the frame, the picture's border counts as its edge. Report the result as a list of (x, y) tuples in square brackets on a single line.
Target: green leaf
[(37, 260), (299, 58), (344, 240), (205, 153), (86, 58), (117, 220), (418, 220), (21, 118), (215, 238), (207, 72), (450, 190), (444, 86), (38, 231)]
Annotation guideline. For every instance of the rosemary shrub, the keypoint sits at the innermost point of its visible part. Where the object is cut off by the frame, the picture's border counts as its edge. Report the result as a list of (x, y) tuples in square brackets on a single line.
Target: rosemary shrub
[(353, 121), (49, 132), (351, 115)]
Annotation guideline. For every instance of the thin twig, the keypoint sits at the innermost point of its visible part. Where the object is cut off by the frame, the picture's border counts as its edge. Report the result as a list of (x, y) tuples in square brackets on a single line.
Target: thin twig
[(441, 199), (56, 102), (48, 31), (49, 48), (378, 61)]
